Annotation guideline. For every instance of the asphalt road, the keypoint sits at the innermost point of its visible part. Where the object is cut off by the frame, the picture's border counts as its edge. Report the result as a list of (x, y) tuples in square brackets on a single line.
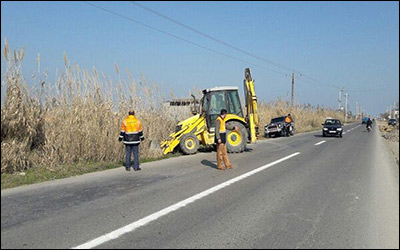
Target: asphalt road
[(341, 193)]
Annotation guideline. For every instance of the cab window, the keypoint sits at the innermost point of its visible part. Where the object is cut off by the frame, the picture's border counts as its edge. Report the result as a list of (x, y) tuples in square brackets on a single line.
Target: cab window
[(234, 103), (217, 103)]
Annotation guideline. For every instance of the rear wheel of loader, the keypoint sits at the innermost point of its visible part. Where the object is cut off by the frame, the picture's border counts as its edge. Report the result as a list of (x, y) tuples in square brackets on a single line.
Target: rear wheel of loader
[(189, 144), (236, 141)]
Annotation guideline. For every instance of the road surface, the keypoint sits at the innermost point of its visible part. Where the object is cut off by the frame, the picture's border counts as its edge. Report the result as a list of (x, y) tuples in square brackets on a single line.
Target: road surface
[(300, 192)]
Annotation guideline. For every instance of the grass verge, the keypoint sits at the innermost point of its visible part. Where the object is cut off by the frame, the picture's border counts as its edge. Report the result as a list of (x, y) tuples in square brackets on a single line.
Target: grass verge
[(42, 174)]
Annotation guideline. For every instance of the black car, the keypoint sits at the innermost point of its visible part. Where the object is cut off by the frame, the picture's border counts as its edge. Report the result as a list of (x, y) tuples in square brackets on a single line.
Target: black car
[(332, 127), (392, 122), (275, 127), (278, 126)]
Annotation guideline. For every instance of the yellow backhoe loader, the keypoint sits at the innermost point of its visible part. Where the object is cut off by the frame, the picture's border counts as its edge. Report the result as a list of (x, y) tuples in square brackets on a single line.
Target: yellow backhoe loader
[(200, 128)]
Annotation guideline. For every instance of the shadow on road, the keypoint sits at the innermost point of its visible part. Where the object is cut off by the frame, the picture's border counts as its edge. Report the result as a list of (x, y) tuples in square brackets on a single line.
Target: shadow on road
[(248, 149), (214, 150), (207, 149), (210, 164), (318, 136)]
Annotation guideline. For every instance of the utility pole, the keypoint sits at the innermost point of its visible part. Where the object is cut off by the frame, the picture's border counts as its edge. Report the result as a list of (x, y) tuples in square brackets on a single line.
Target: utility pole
[(356, 110), (387, 111), (292, 99), (340, 99), (391, 111), (346, 107), (362, 112)]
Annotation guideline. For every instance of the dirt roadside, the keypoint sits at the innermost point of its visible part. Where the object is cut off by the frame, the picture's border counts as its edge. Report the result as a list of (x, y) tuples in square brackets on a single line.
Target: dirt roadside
[(391, 136)]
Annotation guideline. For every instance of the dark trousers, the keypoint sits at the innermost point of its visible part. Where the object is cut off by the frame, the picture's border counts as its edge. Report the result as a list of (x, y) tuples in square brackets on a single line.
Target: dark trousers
[(129, 149)]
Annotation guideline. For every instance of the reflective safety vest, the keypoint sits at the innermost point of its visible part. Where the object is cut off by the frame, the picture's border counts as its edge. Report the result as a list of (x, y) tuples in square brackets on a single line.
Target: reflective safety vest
[(220, 133), (131, 130), (288, 119), (222, 126)]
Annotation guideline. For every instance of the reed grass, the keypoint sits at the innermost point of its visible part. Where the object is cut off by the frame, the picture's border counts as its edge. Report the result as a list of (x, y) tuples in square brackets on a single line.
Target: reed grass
[(76, 118)]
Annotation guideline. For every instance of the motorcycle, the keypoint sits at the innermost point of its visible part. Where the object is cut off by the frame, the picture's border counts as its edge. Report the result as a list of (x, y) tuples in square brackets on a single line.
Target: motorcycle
[(290, 130), (369, 128)]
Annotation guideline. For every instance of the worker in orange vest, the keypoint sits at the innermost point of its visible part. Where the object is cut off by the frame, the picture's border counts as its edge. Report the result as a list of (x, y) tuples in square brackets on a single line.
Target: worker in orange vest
[(288, 124), (131, 134), (288, 118), (220, 138)]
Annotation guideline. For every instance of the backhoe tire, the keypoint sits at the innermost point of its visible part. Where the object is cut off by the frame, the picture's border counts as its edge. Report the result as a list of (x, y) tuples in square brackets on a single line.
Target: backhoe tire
[(189, 144), (236, 141)]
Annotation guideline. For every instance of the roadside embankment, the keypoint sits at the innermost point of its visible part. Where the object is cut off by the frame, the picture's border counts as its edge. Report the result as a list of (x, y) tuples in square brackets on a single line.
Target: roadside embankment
[(391, 136)]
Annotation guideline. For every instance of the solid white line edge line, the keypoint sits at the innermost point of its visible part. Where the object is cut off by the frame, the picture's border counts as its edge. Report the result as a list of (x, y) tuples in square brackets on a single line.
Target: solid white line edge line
[(142, 222), (319, 143)]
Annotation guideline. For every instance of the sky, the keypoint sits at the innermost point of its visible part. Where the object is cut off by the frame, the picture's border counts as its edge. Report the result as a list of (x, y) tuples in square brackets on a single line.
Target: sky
[(349, 44)]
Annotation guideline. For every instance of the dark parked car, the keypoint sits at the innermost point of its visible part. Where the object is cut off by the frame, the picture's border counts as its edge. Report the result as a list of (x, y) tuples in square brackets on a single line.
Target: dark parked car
[(332, 127), (277, 127), (392, 122)]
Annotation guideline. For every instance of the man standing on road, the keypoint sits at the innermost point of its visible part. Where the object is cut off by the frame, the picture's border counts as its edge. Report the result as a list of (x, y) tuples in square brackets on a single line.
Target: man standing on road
[(131, 134), (220, 138)]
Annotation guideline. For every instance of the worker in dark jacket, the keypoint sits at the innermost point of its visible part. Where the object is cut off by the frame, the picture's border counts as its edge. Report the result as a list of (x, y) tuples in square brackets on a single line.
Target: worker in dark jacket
[(220, 137), (369, 123), (131, 134)]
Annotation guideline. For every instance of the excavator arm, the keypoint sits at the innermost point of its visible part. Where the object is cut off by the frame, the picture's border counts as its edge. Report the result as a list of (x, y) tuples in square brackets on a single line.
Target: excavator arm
[(251, 106)]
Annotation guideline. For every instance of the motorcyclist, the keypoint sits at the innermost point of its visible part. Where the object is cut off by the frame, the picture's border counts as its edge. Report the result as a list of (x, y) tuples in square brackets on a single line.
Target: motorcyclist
[(288, 124), (369, 123)]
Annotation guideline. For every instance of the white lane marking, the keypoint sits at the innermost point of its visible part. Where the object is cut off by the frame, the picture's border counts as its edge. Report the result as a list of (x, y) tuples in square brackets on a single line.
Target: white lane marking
[(319, 143), (142, 222), (344, 133)]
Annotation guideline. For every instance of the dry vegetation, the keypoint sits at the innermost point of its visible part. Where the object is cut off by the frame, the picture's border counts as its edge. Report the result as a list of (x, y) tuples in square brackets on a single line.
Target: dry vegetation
[(306, 117), (77, 117), (391, 136)]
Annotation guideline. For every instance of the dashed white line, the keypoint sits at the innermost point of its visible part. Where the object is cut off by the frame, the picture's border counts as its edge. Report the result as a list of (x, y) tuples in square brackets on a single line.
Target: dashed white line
[(142, 222), (319, 143)]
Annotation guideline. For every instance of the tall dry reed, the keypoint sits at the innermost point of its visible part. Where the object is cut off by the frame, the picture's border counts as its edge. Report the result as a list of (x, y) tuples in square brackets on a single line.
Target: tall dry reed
[(306, 117), (77, 117)]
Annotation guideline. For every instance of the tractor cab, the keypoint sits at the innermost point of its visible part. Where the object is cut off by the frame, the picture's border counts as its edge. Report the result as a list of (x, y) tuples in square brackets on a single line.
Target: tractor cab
[(218, 98)]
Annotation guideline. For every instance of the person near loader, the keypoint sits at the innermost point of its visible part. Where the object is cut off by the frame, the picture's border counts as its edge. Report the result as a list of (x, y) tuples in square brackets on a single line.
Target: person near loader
[(220, 137), (288, 124), (131, 135)]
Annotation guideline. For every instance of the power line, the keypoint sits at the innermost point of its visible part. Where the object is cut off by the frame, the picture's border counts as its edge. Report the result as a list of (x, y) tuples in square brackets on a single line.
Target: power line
[(317, 82), (313, 81), (212, 38), (371, 88), (230, 45), (180, 38), (321, 83)]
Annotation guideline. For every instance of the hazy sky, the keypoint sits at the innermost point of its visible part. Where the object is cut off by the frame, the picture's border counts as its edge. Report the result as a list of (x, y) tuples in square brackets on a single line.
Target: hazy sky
[(350, 44)]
